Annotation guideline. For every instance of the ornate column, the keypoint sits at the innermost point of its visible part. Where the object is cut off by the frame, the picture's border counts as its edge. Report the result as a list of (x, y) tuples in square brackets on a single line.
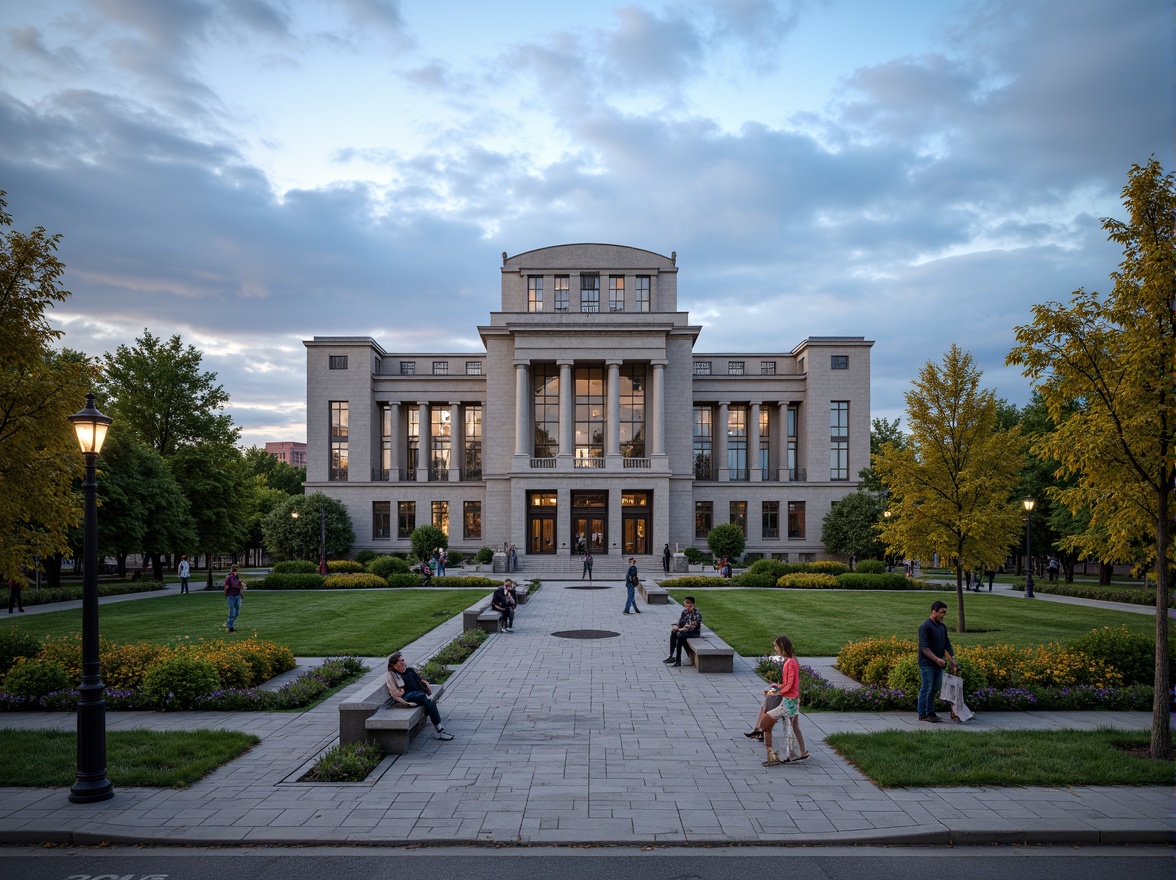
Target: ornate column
[(782, 440), (522, 402), (657, 433), (754, 473), (394, 440), (425, 465), (613, 410), (723, 474), (567, 401)]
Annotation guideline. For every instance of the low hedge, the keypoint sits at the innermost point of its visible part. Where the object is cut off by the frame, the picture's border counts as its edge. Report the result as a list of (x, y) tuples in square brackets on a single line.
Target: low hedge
[(696, 581), (45, 595), (344, 566), (297, 566), (870, 566), (354, 581), (808, 581), (383, 566), (415, 580), (293, 581), (1127, 595), (892, 581)]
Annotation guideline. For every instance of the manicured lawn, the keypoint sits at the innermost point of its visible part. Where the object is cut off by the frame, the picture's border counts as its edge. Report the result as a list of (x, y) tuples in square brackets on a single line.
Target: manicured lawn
[(164, 759), (819, 622), (311, 623), (940, 758)]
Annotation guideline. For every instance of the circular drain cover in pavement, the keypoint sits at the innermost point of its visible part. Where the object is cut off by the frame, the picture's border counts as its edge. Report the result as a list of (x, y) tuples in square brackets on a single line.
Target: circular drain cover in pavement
[(586, 587), (585, 634)]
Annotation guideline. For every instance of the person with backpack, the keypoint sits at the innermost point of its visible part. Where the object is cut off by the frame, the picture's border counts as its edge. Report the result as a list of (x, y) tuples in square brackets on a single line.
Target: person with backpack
[(631, 582)]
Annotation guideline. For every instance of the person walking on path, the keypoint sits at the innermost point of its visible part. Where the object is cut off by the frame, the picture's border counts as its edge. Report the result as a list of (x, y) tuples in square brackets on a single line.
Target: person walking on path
[(688, 626), (407, 688), (667, 558), (934, 646), (233, 589), (504, 602), (185, 572), (15, 600), (587, 572), (788, 708), (631, 587)]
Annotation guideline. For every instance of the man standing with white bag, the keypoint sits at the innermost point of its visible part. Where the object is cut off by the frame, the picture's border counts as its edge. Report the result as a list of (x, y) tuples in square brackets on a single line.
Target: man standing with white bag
[(934, 647)]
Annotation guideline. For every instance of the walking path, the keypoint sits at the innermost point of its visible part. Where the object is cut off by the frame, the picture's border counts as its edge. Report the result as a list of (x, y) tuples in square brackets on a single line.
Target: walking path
[(586, 741)]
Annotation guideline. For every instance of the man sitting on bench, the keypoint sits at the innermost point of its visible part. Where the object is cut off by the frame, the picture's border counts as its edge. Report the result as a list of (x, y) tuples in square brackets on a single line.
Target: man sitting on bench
[(688, 626), (408, 689), (504, 603)]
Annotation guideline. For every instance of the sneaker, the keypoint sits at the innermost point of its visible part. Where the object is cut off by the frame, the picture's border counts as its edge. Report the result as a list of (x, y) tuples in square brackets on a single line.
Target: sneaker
[(443, 736), (676, 663), (934, 719), (669, 659), (773, 760)]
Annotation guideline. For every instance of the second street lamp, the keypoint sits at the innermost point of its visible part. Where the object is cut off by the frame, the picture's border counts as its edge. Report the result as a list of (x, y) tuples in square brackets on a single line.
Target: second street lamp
[(1028, 504)]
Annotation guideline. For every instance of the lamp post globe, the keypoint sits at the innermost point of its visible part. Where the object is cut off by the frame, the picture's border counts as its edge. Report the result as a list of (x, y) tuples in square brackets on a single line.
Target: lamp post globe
[(91, 784)]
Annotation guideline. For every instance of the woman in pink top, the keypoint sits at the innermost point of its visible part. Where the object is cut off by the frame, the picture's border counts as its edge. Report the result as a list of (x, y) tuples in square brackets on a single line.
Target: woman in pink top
[(789, 708)]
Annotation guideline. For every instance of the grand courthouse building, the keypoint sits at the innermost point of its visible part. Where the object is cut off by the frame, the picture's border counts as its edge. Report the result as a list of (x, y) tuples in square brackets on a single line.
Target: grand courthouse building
[(589, 423)]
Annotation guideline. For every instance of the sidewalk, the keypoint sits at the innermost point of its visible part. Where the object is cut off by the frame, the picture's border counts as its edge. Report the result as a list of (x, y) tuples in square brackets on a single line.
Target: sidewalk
[(580, 741)]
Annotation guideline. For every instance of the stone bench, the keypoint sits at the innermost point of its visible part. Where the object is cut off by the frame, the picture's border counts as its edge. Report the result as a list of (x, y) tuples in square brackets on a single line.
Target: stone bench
[(709, 653), (652, 593), (371, 717), (480, 616)]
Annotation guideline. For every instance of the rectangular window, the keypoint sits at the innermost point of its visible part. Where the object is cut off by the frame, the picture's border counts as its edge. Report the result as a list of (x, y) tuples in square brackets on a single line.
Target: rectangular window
[(792, 416), (408, 368), (702, 368), (795, 519), (767, 368), (616, 293), (337, 362), (765, 447), (839, 362), (590, 293), (642, 284), (561, 293), (534, 293), (381, 520), (589, 421), (413, 442), (771, 519), (440, 368), (734, 368), (440, 442), (632, 416), (839, 440), (441, 516), (338, 440), (473, 443), (471, 517), (386, 442), (739, 515), (704, 519), (473, 368), (546, 403), (737, 443), (405, 518), (703, 444)]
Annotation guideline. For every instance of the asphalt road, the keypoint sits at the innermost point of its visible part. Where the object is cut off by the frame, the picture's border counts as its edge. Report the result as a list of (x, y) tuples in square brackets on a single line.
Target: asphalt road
[(589, 863)]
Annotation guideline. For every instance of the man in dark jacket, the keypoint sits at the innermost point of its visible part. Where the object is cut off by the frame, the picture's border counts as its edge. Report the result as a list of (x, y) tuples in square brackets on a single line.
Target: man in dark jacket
[(934, 646), (504, 603)]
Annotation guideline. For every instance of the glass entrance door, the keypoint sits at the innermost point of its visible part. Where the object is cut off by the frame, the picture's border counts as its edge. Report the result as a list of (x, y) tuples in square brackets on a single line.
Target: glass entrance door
[(635, 517), (541, 520), (589, 522)]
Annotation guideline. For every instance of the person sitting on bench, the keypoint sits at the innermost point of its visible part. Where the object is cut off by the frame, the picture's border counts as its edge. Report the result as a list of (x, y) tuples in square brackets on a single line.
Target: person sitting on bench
[(688, 626), (504, 603), (408, 689)]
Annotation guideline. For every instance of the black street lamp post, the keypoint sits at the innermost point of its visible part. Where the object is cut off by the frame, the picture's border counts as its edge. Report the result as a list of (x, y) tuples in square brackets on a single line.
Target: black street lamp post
[(92, 785), (1029, 504)]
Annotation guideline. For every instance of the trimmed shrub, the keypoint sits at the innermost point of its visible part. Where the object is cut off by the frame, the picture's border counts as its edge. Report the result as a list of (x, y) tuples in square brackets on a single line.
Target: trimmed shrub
[(747, 579), (178, 682), (698, 557), (125, 666), (35, 678), (870, 566), (293, 581), (827, 566), (455, 557), (1132, 654), (905, 675), (808, 581), (854, 657), (694, 582), (470, 580), (344, 566), (66, 652), (382, 566), (299, 566), (485, 556), (353, 581), (405, 580), (774, 568), (867, 581), (363, 557), (14, 644)]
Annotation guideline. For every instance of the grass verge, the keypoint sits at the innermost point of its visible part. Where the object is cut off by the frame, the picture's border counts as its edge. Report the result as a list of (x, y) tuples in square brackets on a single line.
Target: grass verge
[(948, 758), (820, 622), (157, 759)]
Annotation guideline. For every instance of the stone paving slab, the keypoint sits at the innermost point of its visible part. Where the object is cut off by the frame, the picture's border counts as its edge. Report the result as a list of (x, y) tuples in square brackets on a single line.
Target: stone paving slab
[(580, 741)]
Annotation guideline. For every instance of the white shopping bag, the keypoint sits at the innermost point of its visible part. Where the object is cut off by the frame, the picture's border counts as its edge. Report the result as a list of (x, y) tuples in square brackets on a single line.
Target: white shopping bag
[(953, 692)]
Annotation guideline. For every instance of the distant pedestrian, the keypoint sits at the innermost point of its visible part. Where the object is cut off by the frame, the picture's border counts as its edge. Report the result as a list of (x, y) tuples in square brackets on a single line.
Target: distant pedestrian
[(185, 573), (934, 652), (667, 558), (587, 573), (512, 559), (991, 574), (1052, 566), (233, 587), (631, 582), (14, 595), (442, 559), (852, 561)]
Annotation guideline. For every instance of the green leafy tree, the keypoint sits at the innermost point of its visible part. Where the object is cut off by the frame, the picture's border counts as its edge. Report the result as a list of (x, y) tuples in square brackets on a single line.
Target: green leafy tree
[(727, 540), (277, 474), (426, 539), (298, 536), (851, 527), (39, 389), (951, 487), (211, 481), (882, 432), (1104, 365)]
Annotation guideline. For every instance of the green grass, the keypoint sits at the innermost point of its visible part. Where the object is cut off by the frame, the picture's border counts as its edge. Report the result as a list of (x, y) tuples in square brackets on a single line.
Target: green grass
[(310, 623), (945, 758), (162, 759), (820, 622)]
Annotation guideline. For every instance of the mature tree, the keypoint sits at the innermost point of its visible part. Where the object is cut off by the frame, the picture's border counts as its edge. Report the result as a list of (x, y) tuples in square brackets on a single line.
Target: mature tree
[(951, 487), (1104, 365), (210, 478), (426, 539), (882, 432), (299, 536), (277, 474), (851, 526), (258, 501), (727, 540), (158, 393), (39, 389)]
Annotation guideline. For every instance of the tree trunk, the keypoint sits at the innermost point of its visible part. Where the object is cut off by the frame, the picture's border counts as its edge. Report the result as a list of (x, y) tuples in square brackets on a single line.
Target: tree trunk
[(121, 560), (1161, 733), (210, 571), (52, 570), (157, 567), (959, 568), (1105, 570)]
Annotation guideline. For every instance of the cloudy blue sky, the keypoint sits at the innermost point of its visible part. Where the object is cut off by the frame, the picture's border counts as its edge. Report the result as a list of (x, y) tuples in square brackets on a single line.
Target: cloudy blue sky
[(251, 173)]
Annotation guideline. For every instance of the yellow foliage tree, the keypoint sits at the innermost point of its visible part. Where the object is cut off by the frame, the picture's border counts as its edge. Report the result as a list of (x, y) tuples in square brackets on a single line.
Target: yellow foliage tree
[(951, 483), (1105, 367)]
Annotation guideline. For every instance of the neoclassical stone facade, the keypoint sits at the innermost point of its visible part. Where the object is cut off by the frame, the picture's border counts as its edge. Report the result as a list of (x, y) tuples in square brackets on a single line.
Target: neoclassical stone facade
[(588, 422)]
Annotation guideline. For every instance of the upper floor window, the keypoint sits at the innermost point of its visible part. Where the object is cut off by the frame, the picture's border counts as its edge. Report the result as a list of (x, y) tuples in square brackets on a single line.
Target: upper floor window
[(734, 368), (767, 368), (616, 293), (589, 293), (561, 293), (642, 288), (407, 368), (337, 362), (473, 368), (702, 368), (534, 293), (338, 441), (440, 368), (839, 362)]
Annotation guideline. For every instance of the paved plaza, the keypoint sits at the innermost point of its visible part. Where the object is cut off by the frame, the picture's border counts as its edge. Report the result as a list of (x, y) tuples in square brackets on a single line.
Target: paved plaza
[(581, 741)]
